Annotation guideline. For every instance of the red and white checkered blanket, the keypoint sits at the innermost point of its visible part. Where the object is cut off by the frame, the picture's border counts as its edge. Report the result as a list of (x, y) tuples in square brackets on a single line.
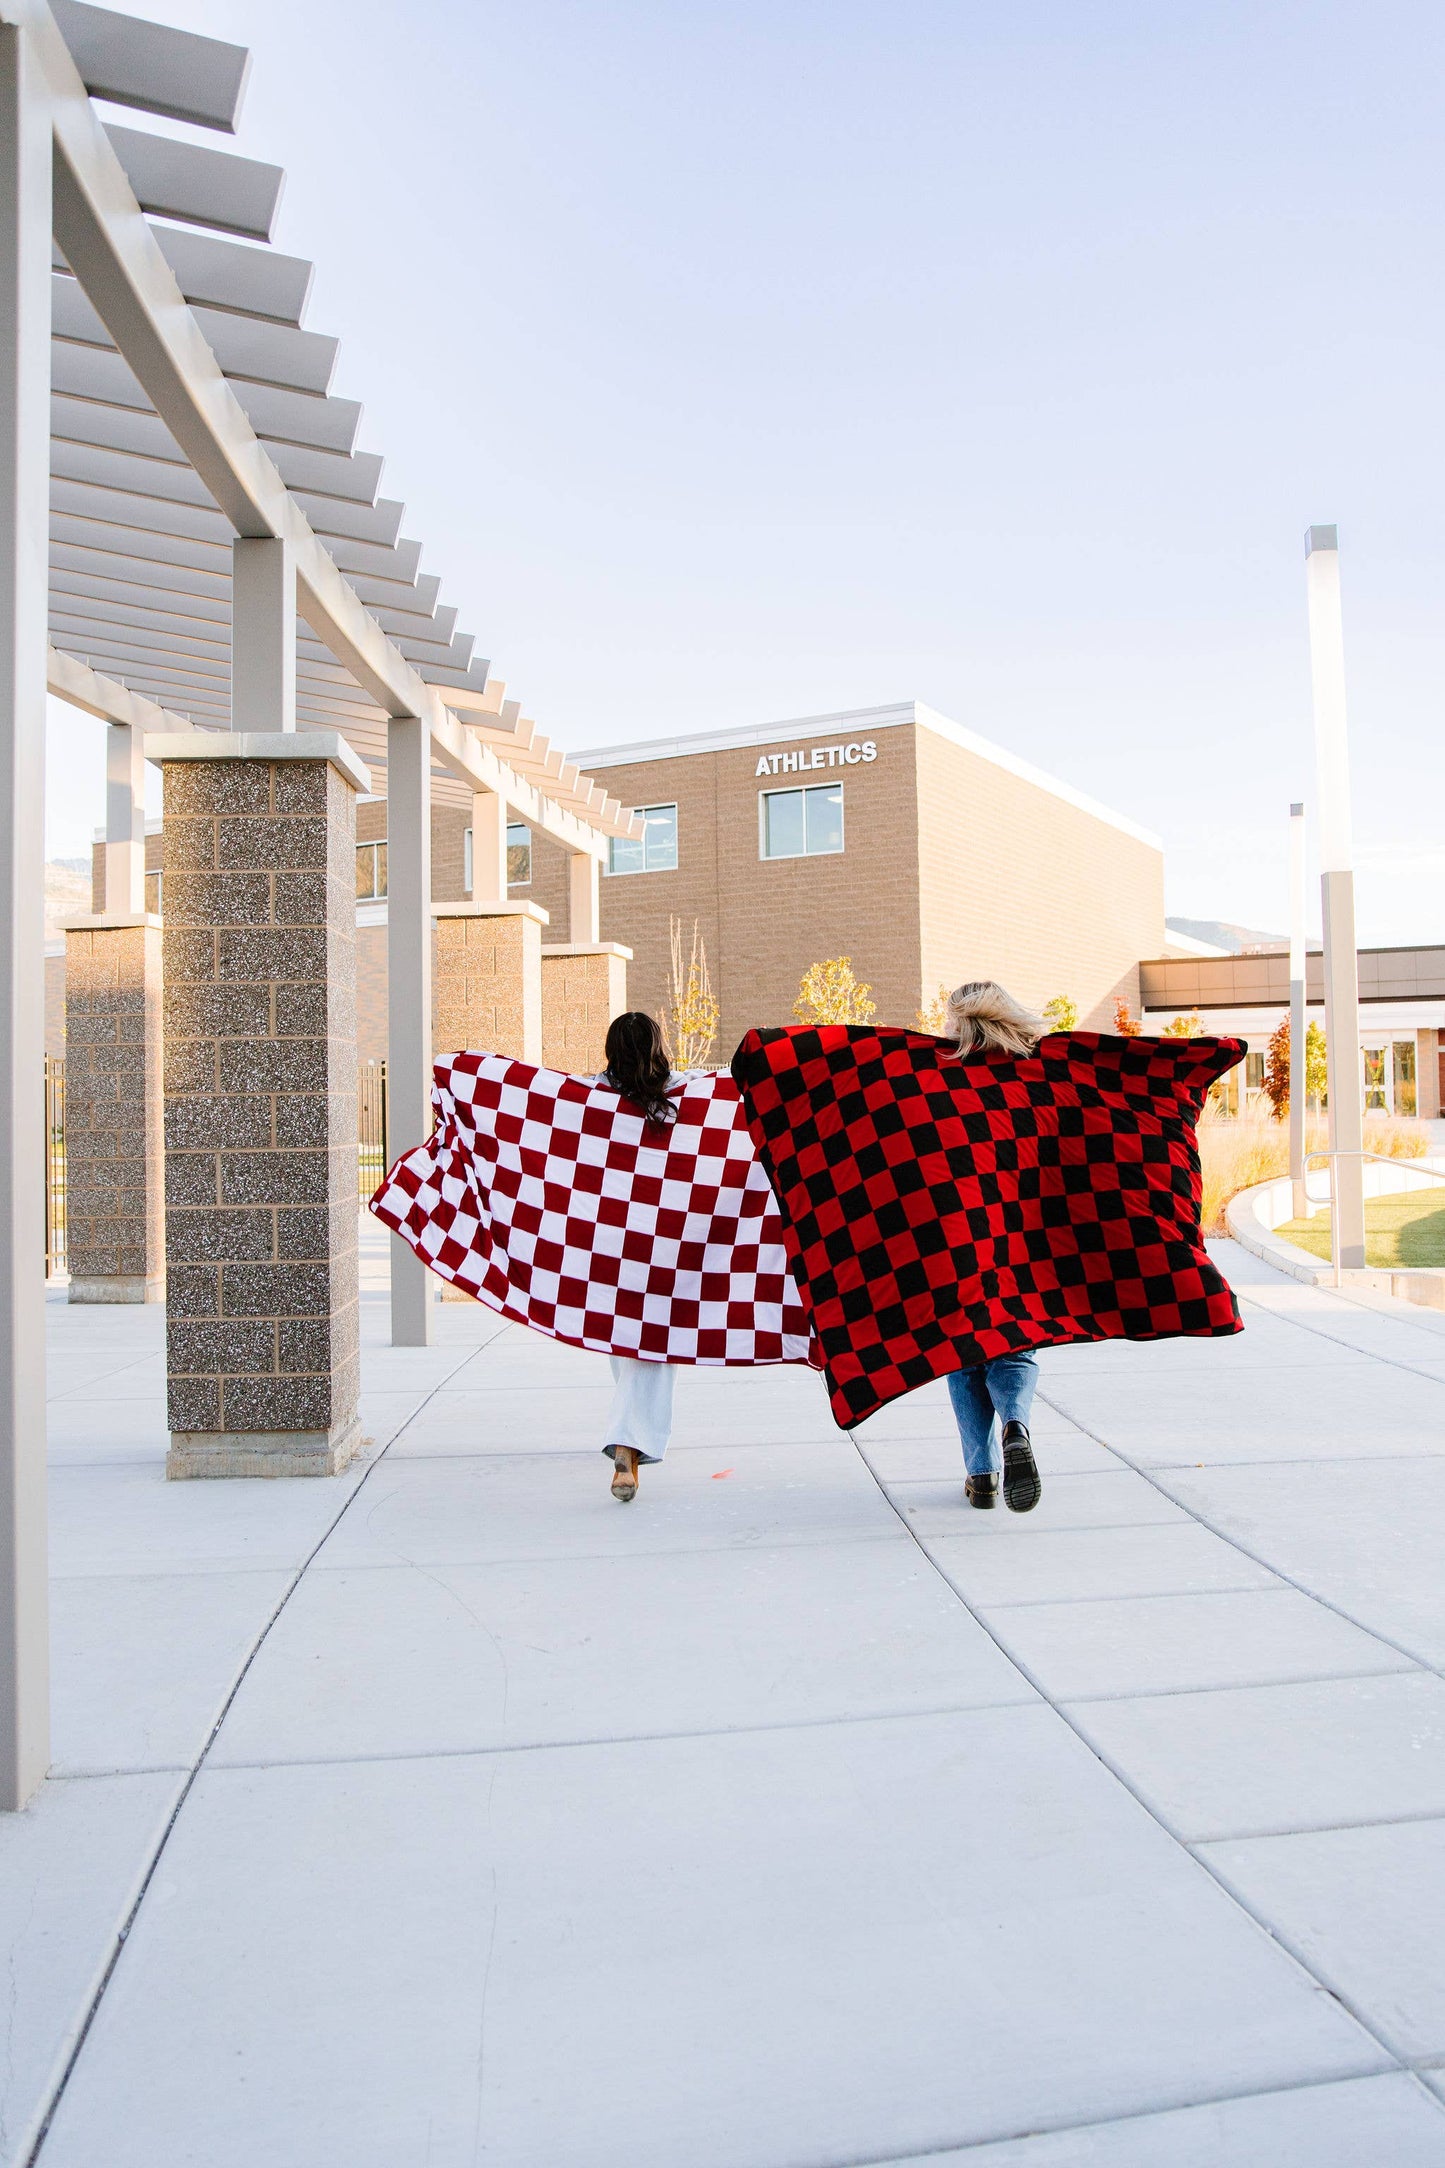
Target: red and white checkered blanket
[(552, 1200)]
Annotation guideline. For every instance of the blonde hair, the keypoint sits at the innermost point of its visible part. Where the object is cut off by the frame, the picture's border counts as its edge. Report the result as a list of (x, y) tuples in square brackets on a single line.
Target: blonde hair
[(983, 1018)]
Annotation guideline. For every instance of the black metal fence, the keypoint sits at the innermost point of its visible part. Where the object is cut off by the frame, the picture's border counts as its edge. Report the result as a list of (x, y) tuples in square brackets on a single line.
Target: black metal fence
[(371, 1158), (371, 1153), (56, 1253)]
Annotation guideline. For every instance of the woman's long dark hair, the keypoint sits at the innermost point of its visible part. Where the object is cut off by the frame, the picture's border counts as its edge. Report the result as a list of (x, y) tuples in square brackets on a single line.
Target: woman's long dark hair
[(637, 1063)]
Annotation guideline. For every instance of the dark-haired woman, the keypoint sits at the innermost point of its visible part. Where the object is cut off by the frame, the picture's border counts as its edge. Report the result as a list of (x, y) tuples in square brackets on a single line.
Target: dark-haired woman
[(639, 1421)]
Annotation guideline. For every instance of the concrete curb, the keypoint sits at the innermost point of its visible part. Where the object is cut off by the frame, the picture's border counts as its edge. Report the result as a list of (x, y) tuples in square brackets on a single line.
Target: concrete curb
[(1252, 1215)]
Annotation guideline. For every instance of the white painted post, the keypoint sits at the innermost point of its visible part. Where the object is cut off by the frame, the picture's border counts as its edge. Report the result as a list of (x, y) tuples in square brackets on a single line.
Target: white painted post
[(263, 634), (25, 219), (1337, 896), (408, 996), (585, 892), (124, 886), (489, 847), (1298, 1025)]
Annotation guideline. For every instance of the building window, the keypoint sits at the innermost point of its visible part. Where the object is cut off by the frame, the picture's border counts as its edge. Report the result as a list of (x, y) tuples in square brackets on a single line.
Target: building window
[(654, 851), (370, 871), (519, 856), (801, 823)]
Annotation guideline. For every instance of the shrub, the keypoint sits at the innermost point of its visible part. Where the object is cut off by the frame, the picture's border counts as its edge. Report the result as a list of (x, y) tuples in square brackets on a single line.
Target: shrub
[(1061, 1014), (933, 1016), (1126, 1024), (830, 994), (1276, 1070), (689, 1029)]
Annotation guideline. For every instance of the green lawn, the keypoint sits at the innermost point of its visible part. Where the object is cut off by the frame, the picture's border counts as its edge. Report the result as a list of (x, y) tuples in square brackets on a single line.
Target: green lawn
[(1405, 1229)]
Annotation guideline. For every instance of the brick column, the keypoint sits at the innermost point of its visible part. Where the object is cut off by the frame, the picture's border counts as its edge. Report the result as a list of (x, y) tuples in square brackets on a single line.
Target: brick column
[(260, 1051), (487, 991), (583, 987), (115, 1231)]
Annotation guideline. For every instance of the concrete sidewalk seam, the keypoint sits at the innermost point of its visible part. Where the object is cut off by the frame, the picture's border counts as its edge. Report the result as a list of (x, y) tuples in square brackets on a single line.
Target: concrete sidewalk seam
[(1019, 2135), (1325, 1603), (1028, 1699), (1237, 1686), (1315, 1829), (1125, 1784), (58, 2090)]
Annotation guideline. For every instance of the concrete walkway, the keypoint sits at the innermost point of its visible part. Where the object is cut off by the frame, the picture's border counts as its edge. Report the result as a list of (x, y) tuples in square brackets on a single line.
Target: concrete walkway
[(796, 1816)]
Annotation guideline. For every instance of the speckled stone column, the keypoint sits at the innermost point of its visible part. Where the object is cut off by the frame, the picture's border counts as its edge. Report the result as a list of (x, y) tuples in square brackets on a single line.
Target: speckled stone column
[(260, 1064), (487, 982), (115, 1229), (583, 988)]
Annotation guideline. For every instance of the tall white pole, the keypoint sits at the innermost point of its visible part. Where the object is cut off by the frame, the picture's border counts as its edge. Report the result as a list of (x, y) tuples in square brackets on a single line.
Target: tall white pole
[(408, 998), (124, 887), (489, 848), (1337, 898), (25, 220), (1298, 1026), (263, 634)]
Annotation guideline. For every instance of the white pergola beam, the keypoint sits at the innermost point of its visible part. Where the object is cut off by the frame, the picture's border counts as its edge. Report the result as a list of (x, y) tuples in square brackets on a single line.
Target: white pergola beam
[(248, 346), (121, 571), (102, 697), (353, 478), (219, 274), (171, 481), (288, 417), (154, 68), (200, 186)]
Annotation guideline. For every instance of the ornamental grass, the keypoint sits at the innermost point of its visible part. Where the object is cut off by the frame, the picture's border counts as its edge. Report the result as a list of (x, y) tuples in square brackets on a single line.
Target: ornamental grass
[(1236, 1153)]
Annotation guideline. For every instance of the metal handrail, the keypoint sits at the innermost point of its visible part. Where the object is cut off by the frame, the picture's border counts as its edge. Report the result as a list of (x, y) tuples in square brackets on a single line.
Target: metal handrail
[(1381, 1159)]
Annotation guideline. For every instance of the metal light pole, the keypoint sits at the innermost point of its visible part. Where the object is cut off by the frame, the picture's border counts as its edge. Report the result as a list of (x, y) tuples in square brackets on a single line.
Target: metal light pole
[(1337, 898), (1297, 1025)]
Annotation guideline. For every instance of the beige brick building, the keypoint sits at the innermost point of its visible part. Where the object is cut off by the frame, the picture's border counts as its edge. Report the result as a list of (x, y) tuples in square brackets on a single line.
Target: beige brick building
[(889, 835)]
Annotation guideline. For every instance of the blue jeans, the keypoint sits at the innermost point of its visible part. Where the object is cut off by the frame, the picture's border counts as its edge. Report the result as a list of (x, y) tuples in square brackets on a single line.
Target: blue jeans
[(985, 1397)]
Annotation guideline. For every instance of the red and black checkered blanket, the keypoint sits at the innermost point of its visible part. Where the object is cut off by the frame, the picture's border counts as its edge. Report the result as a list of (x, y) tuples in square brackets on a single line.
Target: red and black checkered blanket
[(939, 1212), (558, 1203)]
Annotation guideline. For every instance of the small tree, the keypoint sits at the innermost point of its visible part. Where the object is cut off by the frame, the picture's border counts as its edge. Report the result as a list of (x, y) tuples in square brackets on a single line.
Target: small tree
[(689, 1029), (1276, 1070), (933, 1016), (1317, 1075), (1183, 1027), (829, 994), (1125, 1024), (1061, 1014)]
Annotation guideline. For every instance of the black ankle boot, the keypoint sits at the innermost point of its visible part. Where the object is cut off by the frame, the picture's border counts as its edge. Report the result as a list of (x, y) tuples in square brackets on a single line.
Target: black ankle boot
[(1022, 1488)]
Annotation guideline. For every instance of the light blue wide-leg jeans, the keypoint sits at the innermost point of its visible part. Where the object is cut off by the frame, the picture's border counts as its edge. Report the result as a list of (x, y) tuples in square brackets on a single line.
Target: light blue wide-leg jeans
[(984, 1398), (641, 1410)]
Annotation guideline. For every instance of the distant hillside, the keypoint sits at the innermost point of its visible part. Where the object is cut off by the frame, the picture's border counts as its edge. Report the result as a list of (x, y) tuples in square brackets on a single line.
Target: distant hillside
[(67, 892), (1243, 940)]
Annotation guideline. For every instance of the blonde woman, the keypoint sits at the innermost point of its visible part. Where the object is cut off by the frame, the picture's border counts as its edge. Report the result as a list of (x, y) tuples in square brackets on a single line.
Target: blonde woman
[(992, 1401)]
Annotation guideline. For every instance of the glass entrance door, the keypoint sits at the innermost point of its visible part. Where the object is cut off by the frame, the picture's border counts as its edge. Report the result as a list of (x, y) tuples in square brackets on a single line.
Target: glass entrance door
[(1377, 1079), (1404, 1077)]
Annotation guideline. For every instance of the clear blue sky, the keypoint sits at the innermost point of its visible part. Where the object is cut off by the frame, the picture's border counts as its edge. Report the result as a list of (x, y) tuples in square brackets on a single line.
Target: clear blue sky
[(744, 362)]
